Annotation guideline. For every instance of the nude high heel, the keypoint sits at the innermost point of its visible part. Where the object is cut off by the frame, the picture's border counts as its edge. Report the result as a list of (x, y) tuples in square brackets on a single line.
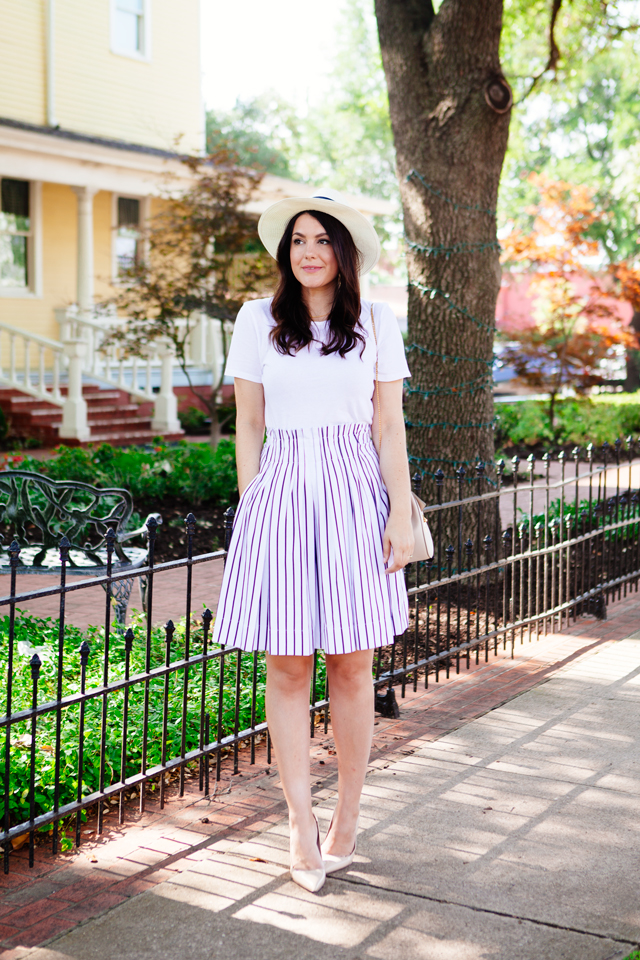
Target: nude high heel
[(332, 863), (311, 880)]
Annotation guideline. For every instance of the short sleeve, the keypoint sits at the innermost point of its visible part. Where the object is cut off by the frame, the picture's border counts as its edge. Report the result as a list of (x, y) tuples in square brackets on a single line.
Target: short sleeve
[(392, 362), (244, 359)]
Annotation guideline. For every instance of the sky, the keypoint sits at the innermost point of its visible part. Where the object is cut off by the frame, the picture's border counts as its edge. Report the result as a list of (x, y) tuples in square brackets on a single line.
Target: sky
[(251, 46)]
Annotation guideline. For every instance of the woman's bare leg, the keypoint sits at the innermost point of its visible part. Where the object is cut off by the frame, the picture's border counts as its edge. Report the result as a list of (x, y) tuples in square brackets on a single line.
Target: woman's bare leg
[(287, 703), (351, 692)]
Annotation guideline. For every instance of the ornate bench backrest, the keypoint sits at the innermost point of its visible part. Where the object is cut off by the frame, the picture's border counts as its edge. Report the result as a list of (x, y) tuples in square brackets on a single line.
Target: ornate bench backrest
[(57, 508)]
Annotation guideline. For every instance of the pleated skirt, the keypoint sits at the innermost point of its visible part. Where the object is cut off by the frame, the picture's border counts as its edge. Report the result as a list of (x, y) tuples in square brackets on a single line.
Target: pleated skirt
[(304, 570)]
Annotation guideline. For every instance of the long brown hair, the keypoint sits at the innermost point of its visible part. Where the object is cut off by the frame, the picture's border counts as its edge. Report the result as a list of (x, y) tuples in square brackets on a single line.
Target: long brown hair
[(292, 331)]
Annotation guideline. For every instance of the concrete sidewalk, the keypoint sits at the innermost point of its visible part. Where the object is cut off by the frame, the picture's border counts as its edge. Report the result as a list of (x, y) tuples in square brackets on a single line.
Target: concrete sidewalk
[(516, 837)]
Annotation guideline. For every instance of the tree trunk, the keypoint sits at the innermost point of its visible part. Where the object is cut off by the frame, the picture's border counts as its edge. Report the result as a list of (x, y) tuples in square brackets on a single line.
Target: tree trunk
[(552, 413), (215, 431), (632, 382), (449, 107)]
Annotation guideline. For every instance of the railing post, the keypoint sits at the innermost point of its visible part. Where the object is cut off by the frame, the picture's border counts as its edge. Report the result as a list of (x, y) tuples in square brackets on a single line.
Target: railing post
[(65, 318), (165, 411), (75, 425)]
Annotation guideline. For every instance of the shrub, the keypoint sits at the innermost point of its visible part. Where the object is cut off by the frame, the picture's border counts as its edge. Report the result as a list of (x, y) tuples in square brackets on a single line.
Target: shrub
[(194, 421), (34, 634), (189, 471), (579, 421)]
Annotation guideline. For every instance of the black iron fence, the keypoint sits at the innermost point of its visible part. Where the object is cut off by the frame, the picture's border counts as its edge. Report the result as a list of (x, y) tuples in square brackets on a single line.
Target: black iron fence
[(86, 723)]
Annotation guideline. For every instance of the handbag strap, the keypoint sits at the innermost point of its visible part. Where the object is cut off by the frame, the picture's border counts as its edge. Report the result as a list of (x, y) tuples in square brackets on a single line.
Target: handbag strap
[(373, 325)]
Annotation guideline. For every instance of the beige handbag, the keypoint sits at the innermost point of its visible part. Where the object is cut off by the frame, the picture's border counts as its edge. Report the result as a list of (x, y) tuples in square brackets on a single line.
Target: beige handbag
[(423, 549)]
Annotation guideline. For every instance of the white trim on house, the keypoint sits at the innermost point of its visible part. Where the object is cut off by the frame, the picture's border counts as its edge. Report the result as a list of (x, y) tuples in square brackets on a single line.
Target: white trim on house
[(35, 155), (145, 54), (35, 253), (38, 155), (145, 216), (34, 247)]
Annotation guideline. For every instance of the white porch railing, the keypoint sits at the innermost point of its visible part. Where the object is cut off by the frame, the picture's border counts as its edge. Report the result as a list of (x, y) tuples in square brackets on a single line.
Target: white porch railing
[(39, 366), (112, 365), (205, 345), (31, 363), (109, 364)]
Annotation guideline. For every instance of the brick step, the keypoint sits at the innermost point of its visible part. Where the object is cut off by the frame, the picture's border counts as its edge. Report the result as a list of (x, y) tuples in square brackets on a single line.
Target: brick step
[(121, 410), (53, 417), (130, 439), (113, 416), (108, 397), (119, 426), (93, 398), (27, 403)]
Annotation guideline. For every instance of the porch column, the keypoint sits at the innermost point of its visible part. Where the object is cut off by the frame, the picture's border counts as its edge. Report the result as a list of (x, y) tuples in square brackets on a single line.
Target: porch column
[(84, 294), (165, 413), (74, 412)]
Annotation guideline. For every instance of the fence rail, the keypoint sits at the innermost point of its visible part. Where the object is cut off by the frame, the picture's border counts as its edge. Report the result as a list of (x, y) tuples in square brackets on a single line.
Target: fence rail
[(86, 722)]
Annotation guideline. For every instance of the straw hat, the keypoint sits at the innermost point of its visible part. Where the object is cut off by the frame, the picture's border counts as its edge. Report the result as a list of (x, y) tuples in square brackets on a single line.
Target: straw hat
[(274, 220)]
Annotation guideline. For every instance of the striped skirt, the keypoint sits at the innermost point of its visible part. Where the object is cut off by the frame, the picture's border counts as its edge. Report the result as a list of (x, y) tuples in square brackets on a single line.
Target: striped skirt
[(305, 570)]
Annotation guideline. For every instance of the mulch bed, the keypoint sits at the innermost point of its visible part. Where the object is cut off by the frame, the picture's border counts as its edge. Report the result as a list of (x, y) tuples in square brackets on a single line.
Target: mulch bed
[(171, 540)]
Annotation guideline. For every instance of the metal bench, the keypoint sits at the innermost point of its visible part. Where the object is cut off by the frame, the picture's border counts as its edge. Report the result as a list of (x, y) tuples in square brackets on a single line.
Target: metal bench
[(83, 514)]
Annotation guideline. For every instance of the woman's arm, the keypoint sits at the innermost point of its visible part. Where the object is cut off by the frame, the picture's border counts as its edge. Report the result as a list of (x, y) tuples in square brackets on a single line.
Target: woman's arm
[(249, 430), (394, 467)]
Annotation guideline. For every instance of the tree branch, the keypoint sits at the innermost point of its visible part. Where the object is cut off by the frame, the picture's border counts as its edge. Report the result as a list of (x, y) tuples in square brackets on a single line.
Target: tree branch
[(554, 51)]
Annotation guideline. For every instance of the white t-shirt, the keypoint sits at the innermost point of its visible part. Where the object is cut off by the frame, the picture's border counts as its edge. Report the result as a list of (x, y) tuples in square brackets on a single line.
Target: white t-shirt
[(308, 389)]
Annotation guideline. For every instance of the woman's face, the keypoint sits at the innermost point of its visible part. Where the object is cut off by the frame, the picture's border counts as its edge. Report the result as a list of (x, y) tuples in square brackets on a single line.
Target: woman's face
[(313, 261)]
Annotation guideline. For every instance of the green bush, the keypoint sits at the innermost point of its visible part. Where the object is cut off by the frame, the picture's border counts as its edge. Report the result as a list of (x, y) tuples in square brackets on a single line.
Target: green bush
[(194, 421), (189, 471), (34, 634), (580, 421)]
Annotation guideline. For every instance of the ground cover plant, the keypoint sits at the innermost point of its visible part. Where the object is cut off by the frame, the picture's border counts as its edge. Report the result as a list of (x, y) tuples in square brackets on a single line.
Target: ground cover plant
[(40, 635)]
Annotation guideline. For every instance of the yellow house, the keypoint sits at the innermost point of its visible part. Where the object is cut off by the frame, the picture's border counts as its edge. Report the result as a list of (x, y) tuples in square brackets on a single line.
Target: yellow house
[(95, 97), (97, 100)]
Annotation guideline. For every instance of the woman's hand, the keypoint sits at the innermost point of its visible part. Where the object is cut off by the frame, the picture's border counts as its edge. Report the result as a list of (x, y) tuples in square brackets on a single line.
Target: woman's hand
[(398, 537)]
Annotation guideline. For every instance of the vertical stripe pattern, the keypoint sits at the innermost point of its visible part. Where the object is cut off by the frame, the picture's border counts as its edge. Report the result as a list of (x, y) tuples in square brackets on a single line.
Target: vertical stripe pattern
[(305, 568)]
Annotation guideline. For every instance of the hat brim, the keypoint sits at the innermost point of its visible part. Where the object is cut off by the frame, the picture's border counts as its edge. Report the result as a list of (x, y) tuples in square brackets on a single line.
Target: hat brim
[(274, 220)]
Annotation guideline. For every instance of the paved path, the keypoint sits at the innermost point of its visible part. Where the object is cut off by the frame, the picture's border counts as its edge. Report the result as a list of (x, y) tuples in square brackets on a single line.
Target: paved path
[(87, 606), (514, 835), (604, 485)]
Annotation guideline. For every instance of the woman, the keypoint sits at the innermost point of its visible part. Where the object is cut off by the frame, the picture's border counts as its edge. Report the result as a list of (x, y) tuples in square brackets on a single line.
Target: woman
[(322, 530)]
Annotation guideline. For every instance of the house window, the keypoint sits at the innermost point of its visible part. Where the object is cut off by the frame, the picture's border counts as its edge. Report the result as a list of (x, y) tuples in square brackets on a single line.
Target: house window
[(15, 234), (128, 233), (130, 27)]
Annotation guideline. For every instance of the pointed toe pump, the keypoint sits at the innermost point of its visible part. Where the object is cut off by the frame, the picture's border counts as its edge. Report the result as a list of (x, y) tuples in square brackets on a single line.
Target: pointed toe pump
[(311, 880), (332, 863)]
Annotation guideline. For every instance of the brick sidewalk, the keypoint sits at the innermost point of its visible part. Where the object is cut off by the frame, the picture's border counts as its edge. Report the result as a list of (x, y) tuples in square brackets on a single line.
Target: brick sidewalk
[(61, 892)]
